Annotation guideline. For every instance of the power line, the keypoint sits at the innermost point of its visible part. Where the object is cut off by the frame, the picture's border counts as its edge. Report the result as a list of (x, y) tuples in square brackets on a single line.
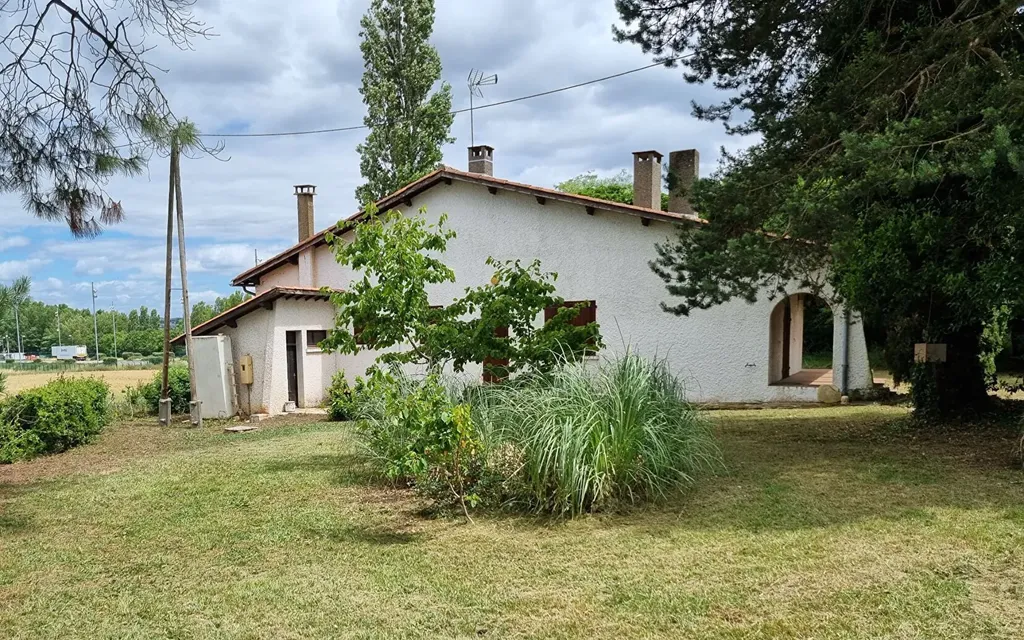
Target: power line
[(521, 98), (457, 111)]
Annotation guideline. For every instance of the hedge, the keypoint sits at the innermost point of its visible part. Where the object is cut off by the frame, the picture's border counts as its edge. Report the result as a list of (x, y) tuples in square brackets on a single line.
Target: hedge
[(60, 415)]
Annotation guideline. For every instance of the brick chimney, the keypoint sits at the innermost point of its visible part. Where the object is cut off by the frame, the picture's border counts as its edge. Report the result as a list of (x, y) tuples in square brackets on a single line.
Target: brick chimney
[(481, 159), (304, 195), (647, 179), (683, 169)]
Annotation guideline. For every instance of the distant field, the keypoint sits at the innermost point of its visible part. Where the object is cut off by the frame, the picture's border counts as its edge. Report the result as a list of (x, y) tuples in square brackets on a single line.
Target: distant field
[(118, 379)]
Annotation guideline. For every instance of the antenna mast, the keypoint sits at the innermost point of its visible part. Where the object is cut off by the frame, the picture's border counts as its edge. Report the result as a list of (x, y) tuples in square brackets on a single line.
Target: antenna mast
[(476, 80)]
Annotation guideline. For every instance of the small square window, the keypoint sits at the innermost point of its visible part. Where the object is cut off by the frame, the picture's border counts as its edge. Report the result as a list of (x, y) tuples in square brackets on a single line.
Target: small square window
[(314, 337)]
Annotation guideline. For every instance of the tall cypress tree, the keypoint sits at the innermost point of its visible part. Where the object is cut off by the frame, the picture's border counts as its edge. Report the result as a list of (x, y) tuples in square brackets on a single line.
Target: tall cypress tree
[(408, 124)]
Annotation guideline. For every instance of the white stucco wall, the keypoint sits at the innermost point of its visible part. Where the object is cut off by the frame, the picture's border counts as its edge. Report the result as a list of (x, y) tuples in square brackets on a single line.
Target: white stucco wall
[(286, 275), (307, 268), (722, 354), (261, 334)]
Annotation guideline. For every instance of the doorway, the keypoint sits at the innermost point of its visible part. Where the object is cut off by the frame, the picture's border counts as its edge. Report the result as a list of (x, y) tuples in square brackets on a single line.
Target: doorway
[(292, 357), (802, 327)]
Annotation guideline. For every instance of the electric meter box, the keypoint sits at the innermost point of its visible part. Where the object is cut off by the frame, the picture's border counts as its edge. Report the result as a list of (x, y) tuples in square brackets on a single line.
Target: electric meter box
[(245, 369)]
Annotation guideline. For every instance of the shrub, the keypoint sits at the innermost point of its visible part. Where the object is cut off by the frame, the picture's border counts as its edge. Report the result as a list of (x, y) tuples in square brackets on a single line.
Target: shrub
[(3, 382), (343, 400), (417, 433), (62, 414), (590, 440), (155, 359), (110, 361), (181, 393)]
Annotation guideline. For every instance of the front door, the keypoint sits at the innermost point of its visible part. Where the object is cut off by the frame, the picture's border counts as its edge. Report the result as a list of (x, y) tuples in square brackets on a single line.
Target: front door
[(292, 355)]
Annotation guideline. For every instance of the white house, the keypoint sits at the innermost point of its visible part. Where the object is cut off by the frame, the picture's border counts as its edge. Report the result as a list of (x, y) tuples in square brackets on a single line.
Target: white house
[(736, 352)]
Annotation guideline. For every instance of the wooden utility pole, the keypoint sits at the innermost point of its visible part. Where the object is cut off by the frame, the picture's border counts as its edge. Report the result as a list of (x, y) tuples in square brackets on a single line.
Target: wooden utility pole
[(195, 408), (165, 390)]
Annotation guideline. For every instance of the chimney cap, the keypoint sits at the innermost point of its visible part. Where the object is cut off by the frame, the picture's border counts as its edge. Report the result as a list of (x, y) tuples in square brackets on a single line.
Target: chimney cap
[(482, 146), (305, 188), (652, 152)]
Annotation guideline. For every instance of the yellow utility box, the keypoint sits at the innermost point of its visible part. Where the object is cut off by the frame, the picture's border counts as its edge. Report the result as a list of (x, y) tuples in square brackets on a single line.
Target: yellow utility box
[(245, 369)]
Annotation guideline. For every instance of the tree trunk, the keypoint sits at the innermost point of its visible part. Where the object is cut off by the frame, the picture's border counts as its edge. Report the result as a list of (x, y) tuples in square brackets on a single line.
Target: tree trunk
[(957, 387)]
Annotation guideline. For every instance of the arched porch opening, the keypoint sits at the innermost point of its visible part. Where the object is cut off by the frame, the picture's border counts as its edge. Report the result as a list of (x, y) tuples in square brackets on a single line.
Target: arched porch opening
[(801, 342)]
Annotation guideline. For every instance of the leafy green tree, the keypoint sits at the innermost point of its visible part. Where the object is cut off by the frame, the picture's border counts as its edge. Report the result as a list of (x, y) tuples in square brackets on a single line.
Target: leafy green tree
[(618, 188), (39, 328), (201, 312), (204, 311), (223, 304), (408, 125), (387, 308), (890, 165)]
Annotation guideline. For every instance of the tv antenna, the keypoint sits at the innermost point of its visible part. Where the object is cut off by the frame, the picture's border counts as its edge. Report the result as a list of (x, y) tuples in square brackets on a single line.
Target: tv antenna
[(476, 80)]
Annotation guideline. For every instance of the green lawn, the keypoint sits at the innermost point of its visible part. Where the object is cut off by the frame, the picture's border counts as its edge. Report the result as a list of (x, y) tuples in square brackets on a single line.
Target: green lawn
[(828, 523)]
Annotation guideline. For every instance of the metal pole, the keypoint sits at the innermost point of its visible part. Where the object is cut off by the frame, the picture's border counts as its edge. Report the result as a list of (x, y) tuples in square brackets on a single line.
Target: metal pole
[(113, 315), (17, 327), (60, 342), (194, 405), (472, 127), (95, 324)]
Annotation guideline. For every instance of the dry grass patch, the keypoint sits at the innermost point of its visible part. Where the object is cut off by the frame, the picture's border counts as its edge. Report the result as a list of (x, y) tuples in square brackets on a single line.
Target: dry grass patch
[(117, 379), (829, 523)]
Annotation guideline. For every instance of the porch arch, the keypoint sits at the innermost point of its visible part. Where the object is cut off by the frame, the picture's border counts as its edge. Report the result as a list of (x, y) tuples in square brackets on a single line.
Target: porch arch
[(788, 360)]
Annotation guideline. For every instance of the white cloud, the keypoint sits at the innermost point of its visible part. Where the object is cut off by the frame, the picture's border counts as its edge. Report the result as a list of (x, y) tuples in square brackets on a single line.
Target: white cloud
[(13, 242), (208, 295), (16, 268), (93, 266)]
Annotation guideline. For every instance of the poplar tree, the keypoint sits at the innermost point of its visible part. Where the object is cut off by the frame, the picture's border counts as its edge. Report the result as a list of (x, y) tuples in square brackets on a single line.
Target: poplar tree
[(408, 122)]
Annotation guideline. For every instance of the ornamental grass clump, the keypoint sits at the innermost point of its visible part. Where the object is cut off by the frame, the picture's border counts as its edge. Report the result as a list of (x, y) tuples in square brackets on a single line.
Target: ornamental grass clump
[(593, 438)]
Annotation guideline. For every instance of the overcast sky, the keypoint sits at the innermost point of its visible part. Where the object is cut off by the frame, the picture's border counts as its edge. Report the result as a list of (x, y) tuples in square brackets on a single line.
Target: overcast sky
[(296, 65)]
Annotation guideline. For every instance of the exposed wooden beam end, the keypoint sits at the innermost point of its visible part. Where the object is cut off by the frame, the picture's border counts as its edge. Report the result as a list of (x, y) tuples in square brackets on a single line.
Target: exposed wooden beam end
[(590, 211), (493, 190), (645, 221), (542, 200)]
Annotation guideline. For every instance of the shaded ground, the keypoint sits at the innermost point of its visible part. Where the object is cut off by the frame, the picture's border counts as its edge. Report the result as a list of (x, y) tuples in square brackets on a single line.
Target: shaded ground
[(118, 380), (826, 523)]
